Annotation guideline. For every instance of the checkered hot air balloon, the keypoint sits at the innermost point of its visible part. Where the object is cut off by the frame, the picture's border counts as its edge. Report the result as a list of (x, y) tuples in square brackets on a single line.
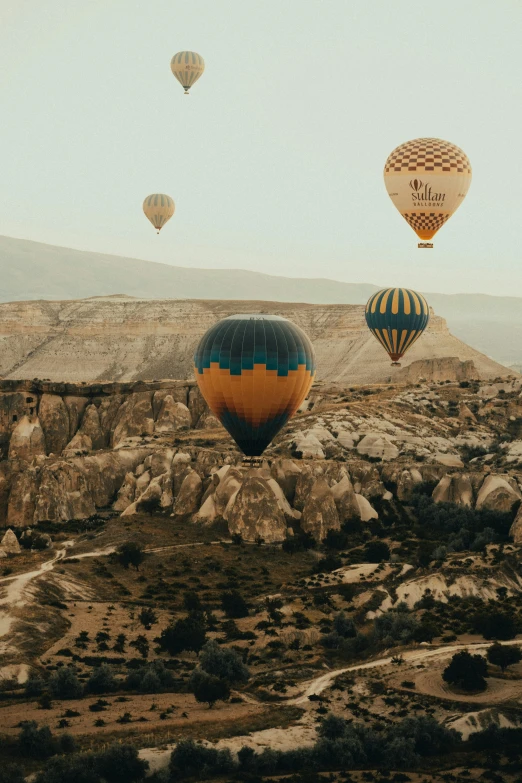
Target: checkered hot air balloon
[(187, 67), (254, 371), (427, 180), (158, 208), (397, 317)]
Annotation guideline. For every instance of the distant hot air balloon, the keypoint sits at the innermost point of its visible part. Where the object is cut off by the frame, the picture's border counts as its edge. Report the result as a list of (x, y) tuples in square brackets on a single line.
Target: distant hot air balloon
[(397, 317), (158, 208), (427, 180), (187, 67), (254, 371)]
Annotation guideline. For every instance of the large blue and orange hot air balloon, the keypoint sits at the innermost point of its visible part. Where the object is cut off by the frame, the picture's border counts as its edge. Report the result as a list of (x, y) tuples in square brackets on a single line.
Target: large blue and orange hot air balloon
[(254, 371), (397, 317)]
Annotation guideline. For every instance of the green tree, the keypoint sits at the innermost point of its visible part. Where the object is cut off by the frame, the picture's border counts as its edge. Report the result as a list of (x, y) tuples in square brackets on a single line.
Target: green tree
[(208, 689), (36, 743), (187, 633), (64, 683), (147, 617), (11, 773), (64, 769), (376, 551), (495, 624), (234, 605), (120, 764), (223, 662), (192, 601), (141, 644), (467, 671), (130, 553), (102, 680), (119, 645), (504, 655)]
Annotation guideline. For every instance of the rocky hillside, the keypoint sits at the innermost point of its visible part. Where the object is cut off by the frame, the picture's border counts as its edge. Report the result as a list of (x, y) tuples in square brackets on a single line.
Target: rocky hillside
[(70, 450), (122, 338), (328, 585)]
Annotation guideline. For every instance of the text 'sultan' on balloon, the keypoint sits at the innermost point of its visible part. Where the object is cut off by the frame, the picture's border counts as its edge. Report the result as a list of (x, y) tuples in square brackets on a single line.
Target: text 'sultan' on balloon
[(158, 208), (427, 180), (187, 67), (397, 317), (254, 371)]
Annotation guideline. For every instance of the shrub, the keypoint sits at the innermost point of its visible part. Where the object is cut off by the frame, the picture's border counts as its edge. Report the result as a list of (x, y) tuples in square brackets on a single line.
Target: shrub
[(147, 617), (234, 605), (36, 743), (344, 626), (9, 773), (34, 686), (223, 662), (65, 769), (120, 764), (141, 644), (376, 552), (64, 683), (102, 680), (151, 678), (188, 758), (192, 602)]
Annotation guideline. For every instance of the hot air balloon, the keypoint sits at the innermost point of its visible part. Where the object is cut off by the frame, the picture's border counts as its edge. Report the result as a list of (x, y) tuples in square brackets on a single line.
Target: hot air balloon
[(427, 180), (158, 208), (254, 371), (187, 67), (397, 317)]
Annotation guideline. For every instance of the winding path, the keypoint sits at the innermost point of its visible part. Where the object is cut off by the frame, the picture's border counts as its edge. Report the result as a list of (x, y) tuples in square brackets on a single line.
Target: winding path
[(319, 684)]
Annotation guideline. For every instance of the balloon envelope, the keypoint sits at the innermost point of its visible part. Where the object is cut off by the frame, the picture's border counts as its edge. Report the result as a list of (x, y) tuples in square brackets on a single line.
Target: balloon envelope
[(254, 371), (187, 67), (427, 180), (158, 208), (397, 317)]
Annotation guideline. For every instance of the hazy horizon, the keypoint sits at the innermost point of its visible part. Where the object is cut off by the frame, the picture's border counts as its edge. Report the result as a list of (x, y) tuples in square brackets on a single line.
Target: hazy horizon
[(275, 160), (256, 271)]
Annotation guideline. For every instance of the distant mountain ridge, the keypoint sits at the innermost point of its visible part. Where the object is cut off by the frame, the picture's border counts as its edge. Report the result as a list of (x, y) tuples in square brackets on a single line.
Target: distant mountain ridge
[(32, 271)]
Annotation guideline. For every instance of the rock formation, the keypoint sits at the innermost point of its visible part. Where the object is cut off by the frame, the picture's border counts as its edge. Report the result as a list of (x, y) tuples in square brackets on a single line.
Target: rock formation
[(139, 338)]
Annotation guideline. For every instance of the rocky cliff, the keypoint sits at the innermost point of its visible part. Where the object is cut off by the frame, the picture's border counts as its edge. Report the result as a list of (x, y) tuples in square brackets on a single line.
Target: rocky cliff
[(122, 338)]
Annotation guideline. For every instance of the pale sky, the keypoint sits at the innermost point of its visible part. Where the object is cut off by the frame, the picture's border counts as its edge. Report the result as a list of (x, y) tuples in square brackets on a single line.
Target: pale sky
[(275, 160)]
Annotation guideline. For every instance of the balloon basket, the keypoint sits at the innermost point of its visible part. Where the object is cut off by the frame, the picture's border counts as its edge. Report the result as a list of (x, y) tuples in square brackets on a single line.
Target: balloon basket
[(425, 244), (252, 462), (396, 364)]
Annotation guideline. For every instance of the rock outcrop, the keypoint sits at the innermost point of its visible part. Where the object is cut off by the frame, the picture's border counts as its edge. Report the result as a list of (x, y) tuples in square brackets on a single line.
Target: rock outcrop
[(454, 489), (498, 493), (320, 512), (256, 513), (27, 440), (9, 543)]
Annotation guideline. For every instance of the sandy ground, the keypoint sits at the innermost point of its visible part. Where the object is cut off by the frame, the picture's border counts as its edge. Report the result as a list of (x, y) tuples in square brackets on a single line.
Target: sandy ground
[(138, 705)]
